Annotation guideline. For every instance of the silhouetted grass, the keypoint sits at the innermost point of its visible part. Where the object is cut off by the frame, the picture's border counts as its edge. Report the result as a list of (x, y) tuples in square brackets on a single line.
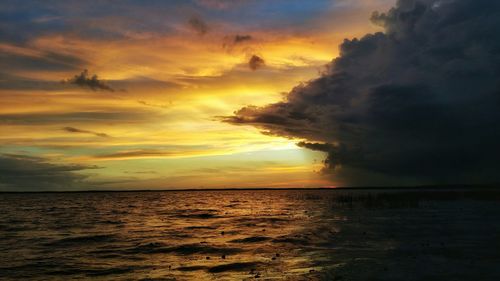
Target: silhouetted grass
[(409, 199)]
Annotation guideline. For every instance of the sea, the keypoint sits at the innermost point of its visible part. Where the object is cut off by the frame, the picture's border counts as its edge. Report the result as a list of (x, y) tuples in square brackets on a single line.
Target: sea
[(381, 234)]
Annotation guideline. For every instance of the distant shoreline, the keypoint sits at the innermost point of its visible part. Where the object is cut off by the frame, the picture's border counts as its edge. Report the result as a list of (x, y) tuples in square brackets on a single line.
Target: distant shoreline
[(419, 187)]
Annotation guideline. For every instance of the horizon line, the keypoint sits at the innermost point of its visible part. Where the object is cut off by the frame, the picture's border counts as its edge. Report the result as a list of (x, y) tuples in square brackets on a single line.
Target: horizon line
[(453, 186)]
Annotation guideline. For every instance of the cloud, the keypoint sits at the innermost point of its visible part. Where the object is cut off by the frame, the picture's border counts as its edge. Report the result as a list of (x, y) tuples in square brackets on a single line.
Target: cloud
[(154, 152), (135, 154), (241, 38), (256, 62), (14, 82), (27, 173), (233, 41), (85, 81), (56, 118), (76, 130), (15, 58), (221, 4), (163, 106), (142, 83), (198, 25), (325, 147), (417, 104)]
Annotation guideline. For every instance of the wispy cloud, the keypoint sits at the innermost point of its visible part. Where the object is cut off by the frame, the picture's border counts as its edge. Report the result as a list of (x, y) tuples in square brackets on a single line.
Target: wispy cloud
[(197, 24), (136, 154), (163, 106), (76, 130), (48, 118), (16, 58)]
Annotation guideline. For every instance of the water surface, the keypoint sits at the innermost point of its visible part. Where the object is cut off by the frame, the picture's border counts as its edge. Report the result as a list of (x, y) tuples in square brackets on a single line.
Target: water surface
[(246, 235)]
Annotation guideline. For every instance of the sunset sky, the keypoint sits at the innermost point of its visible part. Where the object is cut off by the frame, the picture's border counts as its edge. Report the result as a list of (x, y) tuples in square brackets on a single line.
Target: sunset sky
[(170, 69), (248, 93)]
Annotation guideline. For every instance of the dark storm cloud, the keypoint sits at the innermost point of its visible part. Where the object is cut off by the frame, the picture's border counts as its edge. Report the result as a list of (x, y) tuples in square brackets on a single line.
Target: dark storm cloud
[(256, 62), (84, 80), (76, 130), (26, 173), (198, 25), (417, 104), (325, 147)]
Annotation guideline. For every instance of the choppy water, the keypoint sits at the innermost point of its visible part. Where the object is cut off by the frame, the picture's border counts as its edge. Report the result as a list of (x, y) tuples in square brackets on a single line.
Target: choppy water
[(240, 235)]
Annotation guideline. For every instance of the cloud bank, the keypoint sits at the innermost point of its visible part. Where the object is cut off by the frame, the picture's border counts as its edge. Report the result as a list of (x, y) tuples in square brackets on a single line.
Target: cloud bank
[(26, 173), (417, 104)]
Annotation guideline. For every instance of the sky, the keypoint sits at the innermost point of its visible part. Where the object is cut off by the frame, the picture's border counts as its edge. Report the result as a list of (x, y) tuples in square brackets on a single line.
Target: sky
[(248, 93), (416, 104), (166, 71)]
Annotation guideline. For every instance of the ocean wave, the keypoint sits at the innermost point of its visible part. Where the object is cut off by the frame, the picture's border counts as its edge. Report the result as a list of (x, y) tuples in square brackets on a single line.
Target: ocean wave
[(192, 268), (200, 227), (252, 239), (95, 272), (186, 249), (236, 266), (291, 240), (82, 240)]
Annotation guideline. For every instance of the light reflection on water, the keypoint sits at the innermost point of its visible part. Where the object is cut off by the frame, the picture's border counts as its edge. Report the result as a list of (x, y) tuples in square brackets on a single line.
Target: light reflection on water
[(228, 235)]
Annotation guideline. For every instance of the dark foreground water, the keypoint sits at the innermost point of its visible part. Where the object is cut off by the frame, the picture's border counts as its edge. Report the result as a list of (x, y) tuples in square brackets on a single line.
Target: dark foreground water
[(243, 235)]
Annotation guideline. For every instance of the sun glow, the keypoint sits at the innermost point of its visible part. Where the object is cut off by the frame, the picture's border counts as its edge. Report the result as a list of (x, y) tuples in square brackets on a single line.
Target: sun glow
[(165, 89)]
